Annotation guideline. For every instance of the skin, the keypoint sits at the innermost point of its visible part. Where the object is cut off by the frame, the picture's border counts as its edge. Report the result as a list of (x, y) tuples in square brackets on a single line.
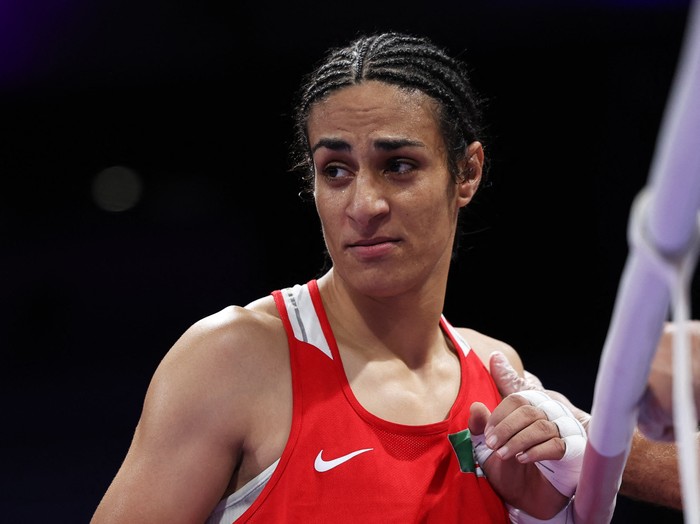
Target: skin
[(218, 410), (651, 471), (658, 399)]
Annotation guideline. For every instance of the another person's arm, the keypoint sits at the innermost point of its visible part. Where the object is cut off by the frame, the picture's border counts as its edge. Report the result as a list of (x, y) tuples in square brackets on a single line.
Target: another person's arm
[(656, 408), (651, 473)]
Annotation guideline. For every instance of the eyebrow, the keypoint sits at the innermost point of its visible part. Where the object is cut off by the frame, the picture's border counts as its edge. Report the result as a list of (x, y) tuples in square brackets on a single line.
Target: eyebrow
[(336, 144)]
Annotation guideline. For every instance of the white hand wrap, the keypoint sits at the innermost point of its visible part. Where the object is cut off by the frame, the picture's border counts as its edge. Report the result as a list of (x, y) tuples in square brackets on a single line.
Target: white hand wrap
[(481, 450), (563, 473)]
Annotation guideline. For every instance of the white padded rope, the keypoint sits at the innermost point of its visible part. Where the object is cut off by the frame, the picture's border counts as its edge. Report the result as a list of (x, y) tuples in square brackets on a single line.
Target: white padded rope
[(645, 297), (678, 274)]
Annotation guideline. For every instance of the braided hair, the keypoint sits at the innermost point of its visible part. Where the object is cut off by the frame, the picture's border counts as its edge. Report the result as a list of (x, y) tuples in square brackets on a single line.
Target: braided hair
[(404, 60), (400, 59)]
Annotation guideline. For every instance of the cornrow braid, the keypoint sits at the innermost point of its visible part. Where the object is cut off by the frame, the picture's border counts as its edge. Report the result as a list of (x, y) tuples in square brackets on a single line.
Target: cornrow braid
[(407, 61), (360, 58), (404, 60)]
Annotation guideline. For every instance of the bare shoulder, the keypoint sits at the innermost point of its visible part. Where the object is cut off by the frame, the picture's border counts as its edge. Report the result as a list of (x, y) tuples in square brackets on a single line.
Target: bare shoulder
[(200, 422), (233, 345), (483, 345), (221, 367)]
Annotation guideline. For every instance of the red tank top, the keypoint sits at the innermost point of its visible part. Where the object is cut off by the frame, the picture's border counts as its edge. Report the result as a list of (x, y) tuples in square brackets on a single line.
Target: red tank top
[(343, 464)]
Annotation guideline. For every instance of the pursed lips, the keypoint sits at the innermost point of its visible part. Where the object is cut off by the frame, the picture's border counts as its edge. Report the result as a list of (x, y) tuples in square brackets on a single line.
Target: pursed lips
[(373, 247)]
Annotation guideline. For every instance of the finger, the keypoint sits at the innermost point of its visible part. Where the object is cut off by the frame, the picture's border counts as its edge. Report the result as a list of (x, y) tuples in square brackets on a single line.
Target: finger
[(478, 416), (568, 440), (507, 379), (504, 375), (527, 419), (534, 438), (582, 416), (562, 473), (550, 449), (513, 414)]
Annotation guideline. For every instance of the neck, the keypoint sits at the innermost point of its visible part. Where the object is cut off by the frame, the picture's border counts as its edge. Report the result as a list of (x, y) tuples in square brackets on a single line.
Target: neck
[(404, 326)]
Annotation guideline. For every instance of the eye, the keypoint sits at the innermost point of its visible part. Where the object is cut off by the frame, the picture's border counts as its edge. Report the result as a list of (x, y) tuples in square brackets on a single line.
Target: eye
[(335, 172), (399, 166)]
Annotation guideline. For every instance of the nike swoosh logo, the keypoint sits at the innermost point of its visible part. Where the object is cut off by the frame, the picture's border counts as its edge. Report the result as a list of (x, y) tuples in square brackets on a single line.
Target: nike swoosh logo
[(321, 465)]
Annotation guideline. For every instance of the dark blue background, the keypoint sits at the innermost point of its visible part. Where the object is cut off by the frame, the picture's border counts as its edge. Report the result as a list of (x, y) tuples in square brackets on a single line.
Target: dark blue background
[(194, 97)]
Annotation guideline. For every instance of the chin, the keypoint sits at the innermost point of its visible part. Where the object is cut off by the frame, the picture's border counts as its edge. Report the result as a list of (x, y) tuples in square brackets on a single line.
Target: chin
[(379, 283)]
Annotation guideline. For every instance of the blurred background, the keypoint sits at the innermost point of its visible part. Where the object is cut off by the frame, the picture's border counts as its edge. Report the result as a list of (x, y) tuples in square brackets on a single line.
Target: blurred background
[(145, 185)]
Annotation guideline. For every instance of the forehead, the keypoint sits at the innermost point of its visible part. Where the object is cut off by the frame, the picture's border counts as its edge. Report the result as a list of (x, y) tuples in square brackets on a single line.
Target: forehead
[(374, 108)]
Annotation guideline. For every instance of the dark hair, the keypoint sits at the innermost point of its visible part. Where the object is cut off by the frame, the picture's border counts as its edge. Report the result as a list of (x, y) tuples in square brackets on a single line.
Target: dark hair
[(404, 60)]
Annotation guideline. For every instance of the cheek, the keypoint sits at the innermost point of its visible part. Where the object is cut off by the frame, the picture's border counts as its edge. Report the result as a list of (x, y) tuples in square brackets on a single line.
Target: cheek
[(429, 223), (431, 207), (328, 209)]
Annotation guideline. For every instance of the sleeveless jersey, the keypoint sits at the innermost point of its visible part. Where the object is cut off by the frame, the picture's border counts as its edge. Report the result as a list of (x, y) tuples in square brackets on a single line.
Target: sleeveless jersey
[(342, 464)]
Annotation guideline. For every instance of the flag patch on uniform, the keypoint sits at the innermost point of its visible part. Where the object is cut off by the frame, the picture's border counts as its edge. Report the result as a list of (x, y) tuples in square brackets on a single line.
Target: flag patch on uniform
[(464, 450)]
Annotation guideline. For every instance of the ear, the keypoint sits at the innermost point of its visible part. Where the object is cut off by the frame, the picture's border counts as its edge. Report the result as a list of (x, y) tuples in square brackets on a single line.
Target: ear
[(471, 169)]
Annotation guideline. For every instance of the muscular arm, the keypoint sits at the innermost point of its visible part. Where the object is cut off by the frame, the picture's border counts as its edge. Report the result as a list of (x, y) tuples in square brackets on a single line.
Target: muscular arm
[(651, 473), (656, 408), (192, 428)]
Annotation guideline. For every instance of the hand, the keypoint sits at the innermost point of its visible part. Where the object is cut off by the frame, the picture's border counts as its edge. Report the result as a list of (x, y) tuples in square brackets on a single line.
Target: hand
[(508, 381), (511, 473), (655, 418), (534, 452)]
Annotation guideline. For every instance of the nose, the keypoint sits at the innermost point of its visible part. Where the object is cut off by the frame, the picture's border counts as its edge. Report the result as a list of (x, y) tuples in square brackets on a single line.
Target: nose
[(368, 199)]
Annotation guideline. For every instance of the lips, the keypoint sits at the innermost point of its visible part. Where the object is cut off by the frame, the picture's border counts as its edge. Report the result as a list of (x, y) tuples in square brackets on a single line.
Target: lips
[(373, 247), (369, 242)]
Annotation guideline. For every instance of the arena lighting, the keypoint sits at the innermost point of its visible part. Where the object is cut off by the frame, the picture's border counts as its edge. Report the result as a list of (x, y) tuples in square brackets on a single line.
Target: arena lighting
[(116, 188)]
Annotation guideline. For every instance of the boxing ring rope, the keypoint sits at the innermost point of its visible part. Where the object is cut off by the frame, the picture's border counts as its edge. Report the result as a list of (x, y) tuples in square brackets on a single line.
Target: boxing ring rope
[(663, 236)]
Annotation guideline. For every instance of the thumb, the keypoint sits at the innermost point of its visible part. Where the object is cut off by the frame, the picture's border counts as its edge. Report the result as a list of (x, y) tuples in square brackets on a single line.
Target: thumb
[(504, 375), (508, 381), (478, 416)]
